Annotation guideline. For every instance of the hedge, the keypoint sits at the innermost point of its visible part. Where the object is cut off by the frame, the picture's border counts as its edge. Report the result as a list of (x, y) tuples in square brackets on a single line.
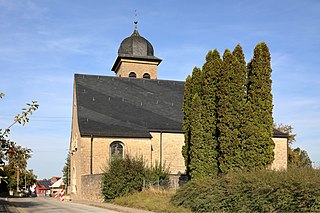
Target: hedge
[(258, 191)]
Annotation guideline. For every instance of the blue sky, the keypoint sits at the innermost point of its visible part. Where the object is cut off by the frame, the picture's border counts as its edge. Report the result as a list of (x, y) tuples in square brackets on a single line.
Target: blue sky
[(44, 42)]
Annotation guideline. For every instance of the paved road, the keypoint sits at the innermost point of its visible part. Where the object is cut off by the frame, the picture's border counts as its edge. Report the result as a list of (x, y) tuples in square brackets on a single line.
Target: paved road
[(50, 205)]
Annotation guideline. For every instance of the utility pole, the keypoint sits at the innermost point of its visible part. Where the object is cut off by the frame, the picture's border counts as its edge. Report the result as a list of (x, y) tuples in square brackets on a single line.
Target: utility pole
[(25, 180), (25, 174)]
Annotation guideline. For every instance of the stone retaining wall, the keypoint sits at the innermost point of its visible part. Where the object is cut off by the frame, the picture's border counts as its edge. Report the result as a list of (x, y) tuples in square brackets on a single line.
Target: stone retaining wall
[(91, 186)]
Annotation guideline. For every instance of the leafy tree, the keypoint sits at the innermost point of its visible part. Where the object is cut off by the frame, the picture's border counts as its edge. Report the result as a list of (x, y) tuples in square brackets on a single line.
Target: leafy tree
[(66, 171), (298, 158), (288, 129), (30, 177), (17, 158), (9, 150), (27, 178), (23, 118)]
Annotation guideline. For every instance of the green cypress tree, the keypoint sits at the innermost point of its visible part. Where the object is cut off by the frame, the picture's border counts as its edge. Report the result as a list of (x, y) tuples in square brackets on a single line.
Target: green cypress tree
[(198, 160), (225, 114), (238, 98), (259, 129), (210, 72), (186, 109), (191, 87), (196, 86)]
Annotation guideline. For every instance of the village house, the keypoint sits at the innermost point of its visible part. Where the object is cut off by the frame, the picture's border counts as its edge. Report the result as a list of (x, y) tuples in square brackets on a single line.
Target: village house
[(43, 187), (131, 113)]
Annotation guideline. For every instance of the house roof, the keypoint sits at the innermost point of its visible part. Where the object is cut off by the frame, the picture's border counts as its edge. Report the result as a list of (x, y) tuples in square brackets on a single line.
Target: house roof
[(57, 184), (278, 134), (55, 179), (44, 184), (129, 107)]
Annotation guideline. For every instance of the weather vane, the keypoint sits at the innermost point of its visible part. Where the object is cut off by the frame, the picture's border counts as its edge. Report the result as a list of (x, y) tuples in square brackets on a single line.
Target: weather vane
[(135, 20)]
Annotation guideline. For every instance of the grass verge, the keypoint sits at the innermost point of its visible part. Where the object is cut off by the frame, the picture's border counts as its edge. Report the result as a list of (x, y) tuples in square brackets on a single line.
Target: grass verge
[(151, 200)]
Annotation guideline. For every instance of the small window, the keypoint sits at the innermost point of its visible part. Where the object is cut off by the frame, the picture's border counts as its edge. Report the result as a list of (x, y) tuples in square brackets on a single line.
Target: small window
[(146, 75), (116, 150), (132, 75)]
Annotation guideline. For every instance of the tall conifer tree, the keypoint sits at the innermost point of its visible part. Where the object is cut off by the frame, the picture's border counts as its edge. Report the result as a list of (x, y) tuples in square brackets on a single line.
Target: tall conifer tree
[(196, 86), (199, 166), (192, 87), (186, 123), (227, 111), (259, 129), (238, 99), (225, 114), (210, 73)]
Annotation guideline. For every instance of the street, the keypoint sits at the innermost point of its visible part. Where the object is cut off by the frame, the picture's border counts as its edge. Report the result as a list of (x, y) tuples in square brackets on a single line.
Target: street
[(47, 204)]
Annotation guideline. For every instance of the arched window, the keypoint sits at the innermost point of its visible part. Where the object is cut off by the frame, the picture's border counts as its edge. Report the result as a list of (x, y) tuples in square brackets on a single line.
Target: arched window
[(146, 75), (116, 150), (132, 75)]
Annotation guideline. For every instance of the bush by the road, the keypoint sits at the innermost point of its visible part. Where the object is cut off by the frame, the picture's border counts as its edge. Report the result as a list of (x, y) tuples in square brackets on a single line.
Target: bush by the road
[(258, 191), (127, 175)]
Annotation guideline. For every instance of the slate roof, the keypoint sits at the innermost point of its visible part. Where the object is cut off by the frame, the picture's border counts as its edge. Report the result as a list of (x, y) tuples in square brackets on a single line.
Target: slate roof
[(278, 134), (129, 107), (135, 47)]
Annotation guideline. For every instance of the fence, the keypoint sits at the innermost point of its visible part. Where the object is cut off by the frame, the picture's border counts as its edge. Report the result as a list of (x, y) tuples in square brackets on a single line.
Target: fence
[(173, 182)]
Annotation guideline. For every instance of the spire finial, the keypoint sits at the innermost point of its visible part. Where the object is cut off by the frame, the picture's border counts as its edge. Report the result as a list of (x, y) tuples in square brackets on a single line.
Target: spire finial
[(135, 20)]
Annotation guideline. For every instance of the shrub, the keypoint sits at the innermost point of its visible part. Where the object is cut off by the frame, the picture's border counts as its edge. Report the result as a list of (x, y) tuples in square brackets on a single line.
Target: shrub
[(127, 175), (257, 191), (123, 177), (157, 175)]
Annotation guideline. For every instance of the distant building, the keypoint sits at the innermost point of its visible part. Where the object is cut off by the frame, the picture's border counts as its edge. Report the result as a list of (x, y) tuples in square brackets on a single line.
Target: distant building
[(133, 113), (55, 179), (57, 186), (43, 187)]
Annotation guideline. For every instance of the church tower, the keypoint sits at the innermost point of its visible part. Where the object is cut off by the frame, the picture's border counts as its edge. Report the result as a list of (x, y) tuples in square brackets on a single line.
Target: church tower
[(136, 58)]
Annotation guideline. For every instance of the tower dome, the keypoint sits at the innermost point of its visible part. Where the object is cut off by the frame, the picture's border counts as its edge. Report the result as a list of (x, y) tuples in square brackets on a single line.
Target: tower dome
[(136, 58), (136, 46)]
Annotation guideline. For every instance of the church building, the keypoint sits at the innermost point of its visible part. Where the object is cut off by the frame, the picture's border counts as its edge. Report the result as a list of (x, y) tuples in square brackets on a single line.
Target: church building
[(133, 113)]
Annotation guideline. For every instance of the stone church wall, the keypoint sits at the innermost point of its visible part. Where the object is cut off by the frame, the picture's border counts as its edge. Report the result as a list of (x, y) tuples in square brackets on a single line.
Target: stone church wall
[(162, 147), (166, 148)]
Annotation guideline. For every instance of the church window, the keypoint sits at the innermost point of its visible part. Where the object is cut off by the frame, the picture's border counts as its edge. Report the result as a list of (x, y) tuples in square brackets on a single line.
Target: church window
[(116, 150), (146, 75), (132, 75)]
